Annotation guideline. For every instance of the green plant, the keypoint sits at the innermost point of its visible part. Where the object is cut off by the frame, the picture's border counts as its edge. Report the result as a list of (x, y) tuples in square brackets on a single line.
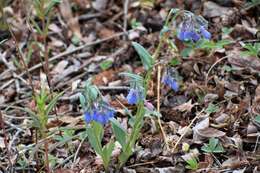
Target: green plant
[(192, 164), (214, 146), (39, 116), (257, 119), (226, 31), (208, 45), (95, 133), (97, 113), (212, 108), (106, 64), (252, 4), (252, 50)]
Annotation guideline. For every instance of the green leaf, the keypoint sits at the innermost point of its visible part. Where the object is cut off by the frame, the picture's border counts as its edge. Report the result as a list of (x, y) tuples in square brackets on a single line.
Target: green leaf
[(1, 42), (135, 77), (218, 149), (94, 139), (106, 64), (135, 24), (186, 52), (213, 146), (53, 102), (175, 62), (212, 108), (213, 142), (82, 101), (192, 164), (119, 132), (220, 44), (50, 6), (35, 118), (107, 153), (144, 55), (257, 118), (75, 40), (226, 30)]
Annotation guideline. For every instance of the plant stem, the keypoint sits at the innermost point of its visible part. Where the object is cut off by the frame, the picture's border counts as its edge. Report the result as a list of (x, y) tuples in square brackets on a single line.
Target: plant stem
[(5, 138), (158, 107), (46, 145)]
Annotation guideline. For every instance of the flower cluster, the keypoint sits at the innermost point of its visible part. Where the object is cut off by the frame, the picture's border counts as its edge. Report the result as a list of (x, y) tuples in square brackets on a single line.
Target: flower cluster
[(100, 113), (192, 30), (134, 96), (169, 78), (171, 82)]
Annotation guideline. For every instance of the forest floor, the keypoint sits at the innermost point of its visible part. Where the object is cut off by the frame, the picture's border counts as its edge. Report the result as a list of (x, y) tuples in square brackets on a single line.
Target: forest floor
[(218, 100)]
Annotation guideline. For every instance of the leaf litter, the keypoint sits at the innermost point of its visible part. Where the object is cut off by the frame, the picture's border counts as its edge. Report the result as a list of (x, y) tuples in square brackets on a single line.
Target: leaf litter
[(223, 138)]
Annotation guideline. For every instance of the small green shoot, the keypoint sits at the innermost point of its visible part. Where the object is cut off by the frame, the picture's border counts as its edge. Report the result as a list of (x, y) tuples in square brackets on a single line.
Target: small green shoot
[(226, 31), (106, 64), (192, 164), (251, 49), (257, 119), (212, 108), (135, 24), (214, 146)]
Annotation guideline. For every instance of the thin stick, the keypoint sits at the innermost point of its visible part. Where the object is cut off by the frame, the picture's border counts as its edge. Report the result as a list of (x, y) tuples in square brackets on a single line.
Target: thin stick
[(20, 55), (125, 16), (218, 61), (5, 138), (77, 152), (65, 53), (158, 106), (186, 130)]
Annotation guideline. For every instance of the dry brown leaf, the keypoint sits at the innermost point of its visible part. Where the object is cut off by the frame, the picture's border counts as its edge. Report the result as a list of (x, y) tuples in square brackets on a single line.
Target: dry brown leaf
[(210, 133), (251, 63), (185, 106), (73, 23)]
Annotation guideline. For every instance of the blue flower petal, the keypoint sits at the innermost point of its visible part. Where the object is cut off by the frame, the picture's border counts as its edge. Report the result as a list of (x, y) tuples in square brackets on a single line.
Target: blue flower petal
[(194, 36), (181, 35), (132, 97), (99, 117), (88, 117), (171, 82), (205, 33), (175, 85)]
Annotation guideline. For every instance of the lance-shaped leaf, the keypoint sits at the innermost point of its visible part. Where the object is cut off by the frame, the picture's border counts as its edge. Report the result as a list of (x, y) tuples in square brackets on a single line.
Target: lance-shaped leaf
[(119, 132), (146, 58)]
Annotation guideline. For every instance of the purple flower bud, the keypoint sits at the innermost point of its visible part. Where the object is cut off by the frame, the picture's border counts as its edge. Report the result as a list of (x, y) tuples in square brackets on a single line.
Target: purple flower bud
[(149, 105), (205, 33)]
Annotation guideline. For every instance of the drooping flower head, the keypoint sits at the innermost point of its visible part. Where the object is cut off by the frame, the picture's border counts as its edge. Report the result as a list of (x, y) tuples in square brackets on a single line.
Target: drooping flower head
[(193, 28), (135, 95), (100, 112), (95, 106), (169, 80)]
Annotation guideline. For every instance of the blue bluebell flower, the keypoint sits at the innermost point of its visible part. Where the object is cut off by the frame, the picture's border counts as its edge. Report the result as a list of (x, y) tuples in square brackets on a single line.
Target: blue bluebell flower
[(190, 30), (88, 117), (134, 96), (100, 114), (171, 82), (206, 34)]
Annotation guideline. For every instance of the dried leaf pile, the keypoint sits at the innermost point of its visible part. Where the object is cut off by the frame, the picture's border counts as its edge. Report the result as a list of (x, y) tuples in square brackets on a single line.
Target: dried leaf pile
[(215, 117)]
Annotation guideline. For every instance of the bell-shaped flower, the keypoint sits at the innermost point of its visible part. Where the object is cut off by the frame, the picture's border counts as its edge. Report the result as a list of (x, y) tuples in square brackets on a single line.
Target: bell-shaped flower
[(100, 113), (206, 34), (134, 96), (171, 82)]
